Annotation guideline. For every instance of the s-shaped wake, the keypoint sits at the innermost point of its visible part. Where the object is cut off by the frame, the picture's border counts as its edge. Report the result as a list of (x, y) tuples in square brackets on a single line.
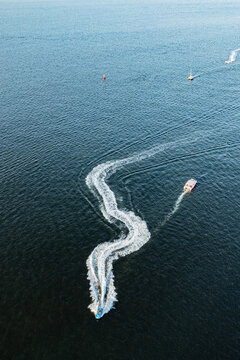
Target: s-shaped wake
[(100, 261)]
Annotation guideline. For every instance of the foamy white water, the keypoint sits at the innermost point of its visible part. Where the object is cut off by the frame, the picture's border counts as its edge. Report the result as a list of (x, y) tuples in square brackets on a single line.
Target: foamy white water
[(233, 55), (175, 208), (100, 261)]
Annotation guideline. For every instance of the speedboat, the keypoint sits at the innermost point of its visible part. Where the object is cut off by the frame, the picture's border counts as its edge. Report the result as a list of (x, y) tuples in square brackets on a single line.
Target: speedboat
[(190, 184), (99, 313), (191, 77), (227, 61)]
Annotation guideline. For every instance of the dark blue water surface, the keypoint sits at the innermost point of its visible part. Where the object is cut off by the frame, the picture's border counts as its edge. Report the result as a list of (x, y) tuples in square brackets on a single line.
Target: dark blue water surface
[(179, 294)]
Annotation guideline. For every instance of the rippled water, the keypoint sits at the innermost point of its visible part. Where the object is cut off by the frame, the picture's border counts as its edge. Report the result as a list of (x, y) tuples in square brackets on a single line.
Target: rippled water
[(178, 296)]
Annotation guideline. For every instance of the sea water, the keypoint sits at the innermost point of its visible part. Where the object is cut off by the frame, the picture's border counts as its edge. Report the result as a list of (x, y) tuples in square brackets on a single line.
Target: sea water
[(178, 295)]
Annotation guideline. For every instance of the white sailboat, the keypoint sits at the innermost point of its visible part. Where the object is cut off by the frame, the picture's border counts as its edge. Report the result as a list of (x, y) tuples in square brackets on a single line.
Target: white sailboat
[(191, 77)]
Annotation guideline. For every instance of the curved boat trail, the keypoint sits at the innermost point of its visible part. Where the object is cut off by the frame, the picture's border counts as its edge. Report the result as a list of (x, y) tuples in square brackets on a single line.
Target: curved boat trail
[(100, 261)]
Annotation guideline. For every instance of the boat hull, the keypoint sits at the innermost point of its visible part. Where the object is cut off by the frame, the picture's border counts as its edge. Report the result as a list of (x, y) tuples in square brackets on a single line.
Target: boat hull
[(99, 313), (190, 185)]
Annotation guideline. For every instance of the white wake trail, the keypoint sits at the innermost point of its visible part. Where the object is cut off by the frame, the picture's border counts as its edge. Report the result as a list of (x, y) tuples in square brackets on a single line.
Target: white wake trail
[(175, 208), (232, 56), (100, 261)]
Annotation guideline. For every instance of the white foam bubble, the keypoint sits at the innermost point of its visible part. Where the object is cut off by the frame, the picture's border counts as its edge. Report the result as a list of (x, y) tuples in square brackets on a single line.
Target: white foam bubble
[(233, 55)]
